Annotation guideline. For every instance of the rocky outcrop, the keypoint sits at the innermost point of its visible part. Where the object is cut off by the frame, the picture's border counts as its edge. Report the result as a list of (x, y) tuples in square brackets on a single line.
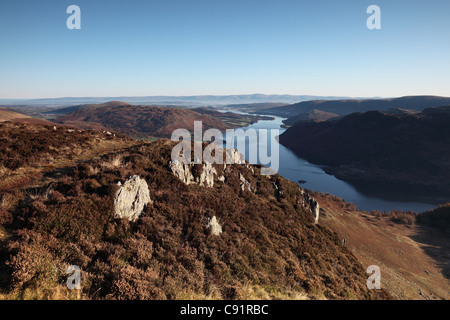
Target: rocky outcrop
[(315, 209), (131, 198), (214, 226), (310, 204), (184, 172), (245, 185), (207, 175)]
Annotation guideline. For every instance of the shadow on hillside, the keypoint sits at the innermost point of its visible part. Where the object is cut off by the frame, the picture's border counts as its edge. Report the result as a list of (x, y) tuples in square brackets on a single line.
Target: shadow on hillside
[(436, 244), (5, 271)]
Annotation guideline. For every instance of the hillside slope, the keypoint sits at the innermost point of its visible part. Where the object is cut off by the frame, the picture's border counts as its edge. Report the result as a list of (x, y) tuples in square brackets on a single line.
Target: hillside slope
[(254, 107), (29, 150), (315, 115), (402, 149), (269, 246)]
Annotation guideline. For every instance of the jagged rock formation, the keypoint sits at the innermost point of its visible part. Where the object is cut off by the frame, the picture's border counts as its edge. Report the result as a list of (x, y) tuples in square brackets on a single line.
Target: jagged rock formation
[(245, 185), (311, 204), (184, 171), (214, 226), (233, 156), (207, 175), (315, 210), (131, 199)]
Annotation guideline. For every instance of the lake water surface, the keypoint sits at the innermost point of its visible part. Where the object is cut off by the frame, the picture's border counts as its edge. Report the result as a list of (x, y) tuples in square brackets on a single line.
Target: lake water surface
[(296, 169)]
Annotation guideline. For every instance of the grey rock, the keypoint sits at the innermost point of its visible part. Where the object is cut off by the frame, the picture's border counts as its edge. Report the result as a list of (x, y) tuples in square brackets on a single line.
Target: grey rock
[(310, 204), (214, 226), (234, 157), (315, 209), (131, 198), (207, 176), (245, 185)]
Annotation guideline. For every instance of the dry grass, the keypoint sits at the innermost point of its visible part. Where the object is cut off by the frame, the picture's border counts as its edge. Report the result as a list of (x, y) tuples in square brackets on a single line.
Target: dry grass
[(249, 292), (59, 292), (265, 241), (114, 163), (405, 264), (27, 151)]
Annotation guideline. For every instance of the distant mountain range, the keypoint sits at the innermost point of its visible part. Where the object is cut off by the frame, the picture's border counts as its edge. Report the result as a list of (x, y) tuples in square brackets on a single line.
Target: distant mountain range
[(198, 100), (347, 106)]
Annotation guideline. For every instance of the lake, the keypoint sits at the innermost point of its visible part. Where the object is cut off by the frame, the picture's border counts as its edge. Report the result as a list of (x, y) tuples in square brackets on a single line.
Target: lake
[(297, 169)]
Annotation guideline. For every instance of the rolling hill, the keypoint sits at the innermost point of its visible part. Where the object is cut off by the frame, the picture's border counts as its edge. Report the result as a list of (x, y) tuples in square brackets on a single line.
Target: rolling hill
[(141, 122), (9, 115), (315, 115), (267, 244)]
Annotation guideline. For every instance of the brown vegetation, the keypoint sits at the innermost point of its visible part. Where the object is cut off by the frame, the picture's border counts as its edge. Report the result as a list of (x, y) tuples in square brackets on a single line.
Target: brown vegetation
[(269, 247)]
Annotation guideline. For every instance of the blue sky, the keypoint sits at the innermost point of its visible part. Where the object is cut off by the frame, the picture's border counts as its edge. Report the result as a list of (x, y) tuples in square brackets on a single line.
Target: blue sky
[(172, 47)]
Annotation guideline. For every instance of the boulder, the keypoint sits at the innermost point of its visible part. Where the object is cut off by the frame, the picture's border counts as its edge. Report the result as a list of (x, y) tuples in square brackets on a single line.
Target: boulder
[(214, 226), (131, 198), (184, 173), (206, 178)]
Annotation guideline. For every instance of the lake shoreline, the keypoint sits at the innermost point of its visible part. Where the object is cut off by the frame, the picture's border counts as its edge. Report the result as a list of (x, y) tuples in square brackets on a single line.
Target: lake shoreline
[(366, 197)]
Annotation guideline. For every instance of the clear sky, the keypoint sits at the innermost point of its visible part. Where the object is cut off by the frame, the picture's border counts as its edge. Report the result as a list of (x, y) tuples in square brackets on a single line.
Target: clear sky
[(191, 47)]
